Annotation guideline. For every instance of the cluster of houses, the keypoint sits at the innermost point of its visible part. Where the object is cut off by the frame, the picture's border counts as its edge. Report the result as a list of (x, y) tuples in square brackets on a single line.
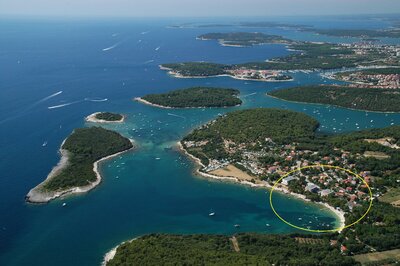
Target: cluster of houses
[(365, 48), (286, 158), (253, 74), (359, 79), (334, 182)]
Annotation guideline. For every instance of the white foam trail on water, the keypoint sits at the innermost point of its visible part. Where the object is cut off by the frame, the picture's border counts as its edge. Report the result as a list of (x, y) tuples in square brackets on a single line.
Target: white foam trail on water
[(49, 97), (96, 100), (176, 115), (111, 47), (27, 109), (149, 61), (62, 105), (249, 94)]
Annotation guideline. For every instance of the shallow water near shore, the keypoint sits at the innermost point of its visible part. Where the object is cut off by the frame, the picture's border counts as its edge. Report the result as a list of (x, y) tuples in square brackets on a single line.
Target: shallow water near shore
[(151, 189)]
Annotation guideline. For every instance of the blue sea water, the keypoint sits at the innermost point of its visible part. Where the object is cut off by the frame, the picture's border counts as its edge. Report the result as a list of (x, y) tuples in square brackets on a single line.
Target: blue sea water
[(140, 193)]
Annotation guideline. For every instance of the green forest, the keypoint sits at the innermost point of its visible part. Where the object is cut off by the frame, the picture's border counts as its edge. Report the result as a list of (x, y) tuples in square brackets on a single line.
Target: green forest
[(250, 125), (369, 99), (255, 249), (196, 97), (85, 146)]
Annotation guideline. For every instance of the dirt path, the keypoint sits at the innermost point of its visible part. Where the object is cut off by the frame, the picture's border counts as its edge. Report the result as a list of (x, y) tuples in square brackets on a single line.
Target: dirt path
[(235, 243)]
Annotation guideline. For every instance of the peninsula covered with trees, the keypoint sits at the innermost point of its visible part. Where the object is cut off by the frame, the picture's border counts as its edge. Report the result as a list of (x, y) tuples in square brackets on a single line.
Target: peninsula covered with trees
[(258, 146), (194, 97), (370, 99), (77, 170)]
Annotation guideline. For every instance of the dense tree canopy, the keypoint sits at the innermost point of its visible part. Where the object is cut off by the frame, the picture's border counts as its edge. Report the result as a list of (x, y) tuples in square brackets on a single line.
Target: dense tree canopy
[(196, 97), (107, 116), (255, 249)]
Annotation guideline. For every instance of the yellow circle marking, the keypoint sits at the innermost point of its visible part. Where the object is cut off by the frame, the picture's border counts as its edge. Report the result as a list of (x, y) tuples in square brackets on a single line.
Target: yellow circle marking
[(314, 230)]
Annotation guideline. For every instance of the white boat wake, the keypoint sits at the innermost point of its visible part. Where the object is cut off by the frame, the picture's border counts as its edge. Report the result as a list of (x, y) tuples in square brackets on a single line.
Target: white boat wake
[(176, 115), (144, 32), (96, 100), (249, 94), (149, 61), (49, 97), (62, 105), (111, 47)]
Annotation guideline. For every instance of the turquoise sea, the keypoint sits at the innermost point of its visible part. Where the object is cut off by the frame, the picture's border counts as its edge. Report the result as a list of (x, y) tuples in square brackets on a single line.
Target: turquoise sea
[(152, 189)]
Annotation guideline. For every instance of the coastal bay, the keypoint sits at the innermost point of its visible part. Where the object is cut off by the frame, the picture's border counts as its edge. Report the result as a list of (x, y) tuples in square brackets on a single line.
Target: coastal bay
[(115, 212)]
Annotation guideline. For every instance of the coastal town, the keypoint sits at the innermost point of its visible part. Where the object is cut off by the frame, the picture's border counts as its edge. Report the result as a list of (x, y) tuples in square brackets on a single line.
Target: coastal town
[(382, 81), (260, 75), (274, 160)]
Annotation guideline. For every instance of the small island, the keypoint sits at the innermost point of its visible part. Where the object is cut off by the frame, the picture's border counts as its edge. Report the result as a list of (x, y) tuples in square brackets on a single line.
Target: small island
[(105, 117), (78, 169), (242, 39), (196, 97), (368, 99)]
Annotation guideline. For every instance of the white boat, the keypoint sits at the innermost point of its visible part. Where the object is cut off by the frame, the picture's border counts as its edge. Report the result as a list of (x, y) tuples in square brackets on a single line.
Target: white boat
[(237, 225), (267, 225), (64, 204), (211, 214), (44, 144)]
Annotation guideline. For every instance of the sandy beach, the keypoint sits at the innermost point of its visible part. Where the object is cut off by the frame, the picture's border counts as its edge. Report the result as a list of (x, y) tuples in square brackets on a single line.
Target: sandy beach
[(237, 178), (92, 118), (37, 195)]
